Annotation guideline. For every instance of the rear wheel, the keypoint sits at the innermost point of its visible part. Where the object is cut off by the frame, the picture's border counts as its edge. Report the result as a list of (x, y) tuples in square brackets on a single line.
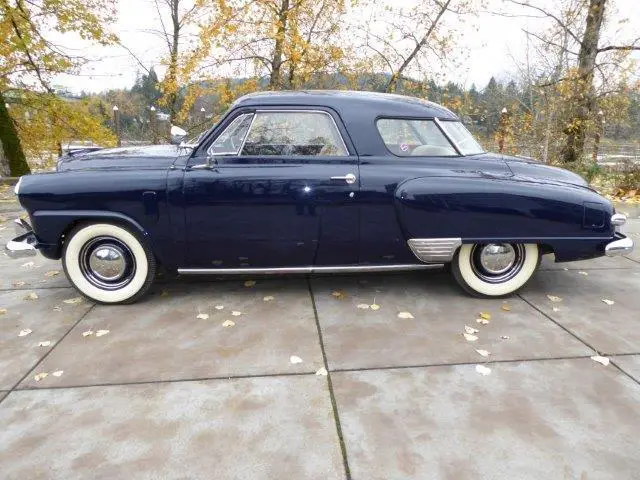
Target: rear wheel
[(495, 269), (107, 263)]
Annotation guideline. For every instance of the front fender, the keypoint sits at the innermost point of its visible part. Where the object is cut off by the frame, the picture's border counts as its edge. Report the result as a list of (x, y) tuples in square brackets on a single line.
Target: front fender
[(50, 226), (478, 209)]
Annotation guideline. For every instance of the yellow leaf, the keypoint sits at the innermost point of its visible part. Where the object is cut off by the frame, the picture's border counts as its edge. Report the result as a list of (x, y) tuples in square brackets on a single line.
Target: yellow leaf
[(228, 323), (73, 301), (485, 316), (363, 306), (405, 315), (202, 316), (338, 295), (52, 273), (553, 298), (375, 307), (505, 307), (268, 298)]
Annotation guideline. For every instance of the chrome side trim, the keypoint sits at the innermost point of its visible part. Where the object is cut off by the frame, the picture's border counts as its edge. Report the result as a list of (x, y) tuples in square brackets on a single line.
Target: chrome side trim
[(282, 270), (434, 250), (622, 246), (24, 245)]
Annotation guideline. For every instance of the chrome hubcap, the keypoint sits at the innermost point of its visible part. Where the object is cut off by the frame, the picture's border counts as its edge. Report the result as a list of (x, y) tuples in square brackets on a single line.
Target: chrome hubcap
[(497, 262), (107, 262), (497, 258)]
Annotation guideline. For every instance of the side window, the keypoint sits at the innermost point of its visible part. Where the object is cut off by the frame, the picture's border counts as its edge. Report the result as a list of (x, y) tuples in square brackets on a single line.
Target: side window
[(230, 140), (414, 138), (294, 133)]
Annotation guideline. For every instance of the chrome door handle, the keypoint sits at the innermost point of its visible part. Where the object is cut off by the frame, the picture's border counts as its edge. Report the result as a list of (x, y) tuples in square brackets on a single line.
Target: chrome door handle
[(349, 178)]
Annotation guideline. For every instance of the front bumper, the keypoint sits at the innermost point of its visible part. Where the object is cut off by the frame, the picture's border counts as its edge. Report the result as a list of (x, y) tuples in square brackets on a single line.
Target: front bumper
[(622, 245), (25, 244)]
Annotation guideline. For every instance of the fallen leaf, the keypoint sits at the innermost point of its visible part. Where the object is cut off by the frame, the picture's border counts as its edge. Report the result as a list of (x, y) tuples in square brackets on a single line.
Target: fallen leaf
[(485, 316), (100, 333), (603, 360), (39, 376), (87, 333), (294, 359), (374, 307), (3, 311), (219, 307), (470, 330), (46, 343), (228, 323), (553, 298), (405, 315), (249, 283), (28, 264), (338, 295), (202, 316), (31, 296), (25, 332), (482, 370), (164, 293), (52, 273), (322, 372), (505, 307), (583, 273), (268, 298), (482, 321), (57, 308), (57, 373), (565, 269), (555, 309), (484, 353), (607, 301), (19, 283), (505, 337), (363, 306), (73, 301), (235, 313), (470, 338)]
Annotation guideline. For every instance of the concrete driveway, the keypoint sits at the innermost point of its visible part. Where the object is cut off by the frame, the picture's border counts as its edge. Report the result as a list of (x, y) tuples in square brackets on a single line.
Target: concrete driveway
[(180, 386)]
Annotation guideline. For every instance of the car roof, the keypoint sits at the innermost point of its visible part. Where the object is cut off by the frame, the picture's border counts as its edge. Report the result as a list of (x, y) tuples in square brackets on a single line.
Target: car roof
[(374, 103)]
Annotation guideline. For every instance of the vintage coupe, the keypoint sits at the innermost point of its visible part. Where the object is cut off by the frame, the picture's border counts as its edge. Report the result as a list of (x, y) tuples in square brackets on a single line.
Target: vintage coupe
[(313, 181)]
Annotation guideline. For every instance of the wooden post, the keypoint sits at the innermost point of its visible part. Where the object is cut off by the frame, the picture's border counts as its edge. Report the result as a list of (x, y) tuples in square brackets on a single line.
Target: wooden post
[(116, 124), (502, 129), (152, 124), (599, 133)]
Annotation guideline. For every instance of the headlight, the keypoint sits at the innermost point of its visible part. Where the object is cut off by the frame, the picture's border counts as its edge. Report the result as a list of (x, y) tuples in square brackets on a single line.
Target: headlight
[(16, 189)]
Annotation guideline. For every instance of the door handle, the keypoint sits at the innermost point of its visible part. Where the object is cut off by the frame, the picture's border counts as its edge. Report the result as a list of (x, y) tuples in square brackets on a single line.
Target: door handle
[(349, 178)]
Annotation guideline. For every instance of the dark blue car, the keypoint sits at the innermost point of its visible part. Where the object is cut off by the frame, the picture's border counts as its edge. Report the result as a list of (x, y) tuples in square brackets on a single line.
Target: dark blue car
[(313, 181)]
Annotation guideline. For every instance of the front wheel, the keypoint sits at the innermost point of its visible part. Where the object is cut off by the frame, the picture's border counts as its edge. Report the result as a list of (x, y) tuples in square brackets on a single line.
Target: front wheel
[(107, 263), (495, 269)]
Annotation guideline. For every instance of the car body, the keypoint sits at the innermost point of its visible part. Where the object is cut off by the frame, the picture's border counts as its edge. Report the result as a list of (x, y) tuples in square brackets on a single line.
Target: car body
[(308, 181)]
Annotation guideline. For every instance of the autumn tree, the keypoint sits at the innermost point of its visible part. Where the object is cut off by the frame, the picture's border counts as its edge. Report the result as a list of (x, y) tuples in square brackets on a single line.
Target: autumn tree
[(415, 40), (29, 58), (594, 70)]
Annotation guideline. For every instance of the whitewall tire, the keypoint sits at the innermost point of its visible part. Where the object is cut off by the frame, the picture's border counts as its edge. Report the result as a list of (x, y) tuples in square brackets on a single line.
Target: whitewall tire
[(108, 263), (495, 270)]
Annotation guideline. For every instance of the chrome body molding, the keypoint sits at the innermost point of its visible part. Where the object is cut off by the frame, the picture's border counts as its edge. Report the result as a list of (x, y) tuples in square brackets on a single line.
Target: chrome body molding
[(317, 269), (434, 250), (621, 246)]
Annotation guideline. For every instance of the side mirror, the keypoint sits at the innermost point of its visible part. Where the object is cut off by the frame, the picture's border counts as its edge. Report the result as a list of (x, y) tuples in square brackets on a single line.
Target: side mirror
[(177, 135)]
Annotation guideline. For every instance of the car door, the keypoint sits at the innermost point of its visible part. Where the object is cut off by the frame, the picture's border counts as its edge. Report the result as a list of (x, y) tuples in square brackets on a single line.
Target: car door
[(276, 189)]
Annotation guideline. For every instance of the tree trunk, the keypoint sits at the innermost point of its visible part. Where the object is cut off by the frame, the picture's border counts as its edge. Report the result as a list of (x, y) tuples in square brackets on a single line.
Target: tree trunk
[(276, 61), (12, 159), (584, 99), (172, 71)]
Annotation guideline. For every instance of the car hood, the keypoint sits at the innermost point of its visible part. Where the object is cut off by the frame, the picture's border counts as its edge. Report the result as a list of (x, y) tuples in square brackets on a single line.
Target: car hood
[(138, 157), (528, 169)]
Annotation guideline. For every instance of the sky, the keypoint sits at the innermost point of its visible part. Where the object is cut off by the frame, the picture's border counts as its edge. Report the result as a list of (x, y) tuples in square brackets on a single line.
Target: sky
[(492, 48)]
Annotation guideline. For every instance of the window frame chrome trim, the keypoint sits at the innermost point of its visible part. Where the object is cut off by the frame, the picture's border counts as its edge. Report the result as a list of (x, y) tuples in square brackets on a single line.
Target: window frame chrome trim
[(232, 154), (438, 123)]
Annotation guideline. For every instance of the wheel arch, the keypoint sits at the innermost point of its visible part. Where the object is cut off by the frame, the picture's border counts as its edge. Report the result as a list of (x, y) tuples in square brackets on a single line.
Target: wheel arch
[(51, 227)]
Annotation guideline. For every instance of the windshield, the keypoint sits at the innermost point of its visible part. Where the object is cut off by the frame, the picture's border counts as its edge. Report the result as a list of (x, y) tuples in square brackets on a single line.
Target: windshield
[(462, 138)]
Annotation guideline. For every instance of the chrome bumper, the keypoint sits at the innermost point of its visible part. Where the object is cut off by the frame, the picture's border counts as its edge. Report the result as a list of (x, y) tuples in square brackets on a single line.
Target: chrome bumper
[(621, 246), (25, 244)]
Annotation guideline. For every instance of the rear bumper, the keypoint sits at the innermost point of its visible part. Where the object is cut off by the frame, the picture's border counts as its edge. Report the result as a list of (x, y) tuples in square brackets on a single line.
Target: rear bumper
[(25, 244), (622, 245)]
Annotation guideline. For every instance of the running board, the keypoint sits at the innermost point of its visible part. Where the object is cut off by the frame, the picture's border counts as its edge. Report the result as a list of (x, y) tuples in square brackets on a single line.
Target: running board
[(282, 270)]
